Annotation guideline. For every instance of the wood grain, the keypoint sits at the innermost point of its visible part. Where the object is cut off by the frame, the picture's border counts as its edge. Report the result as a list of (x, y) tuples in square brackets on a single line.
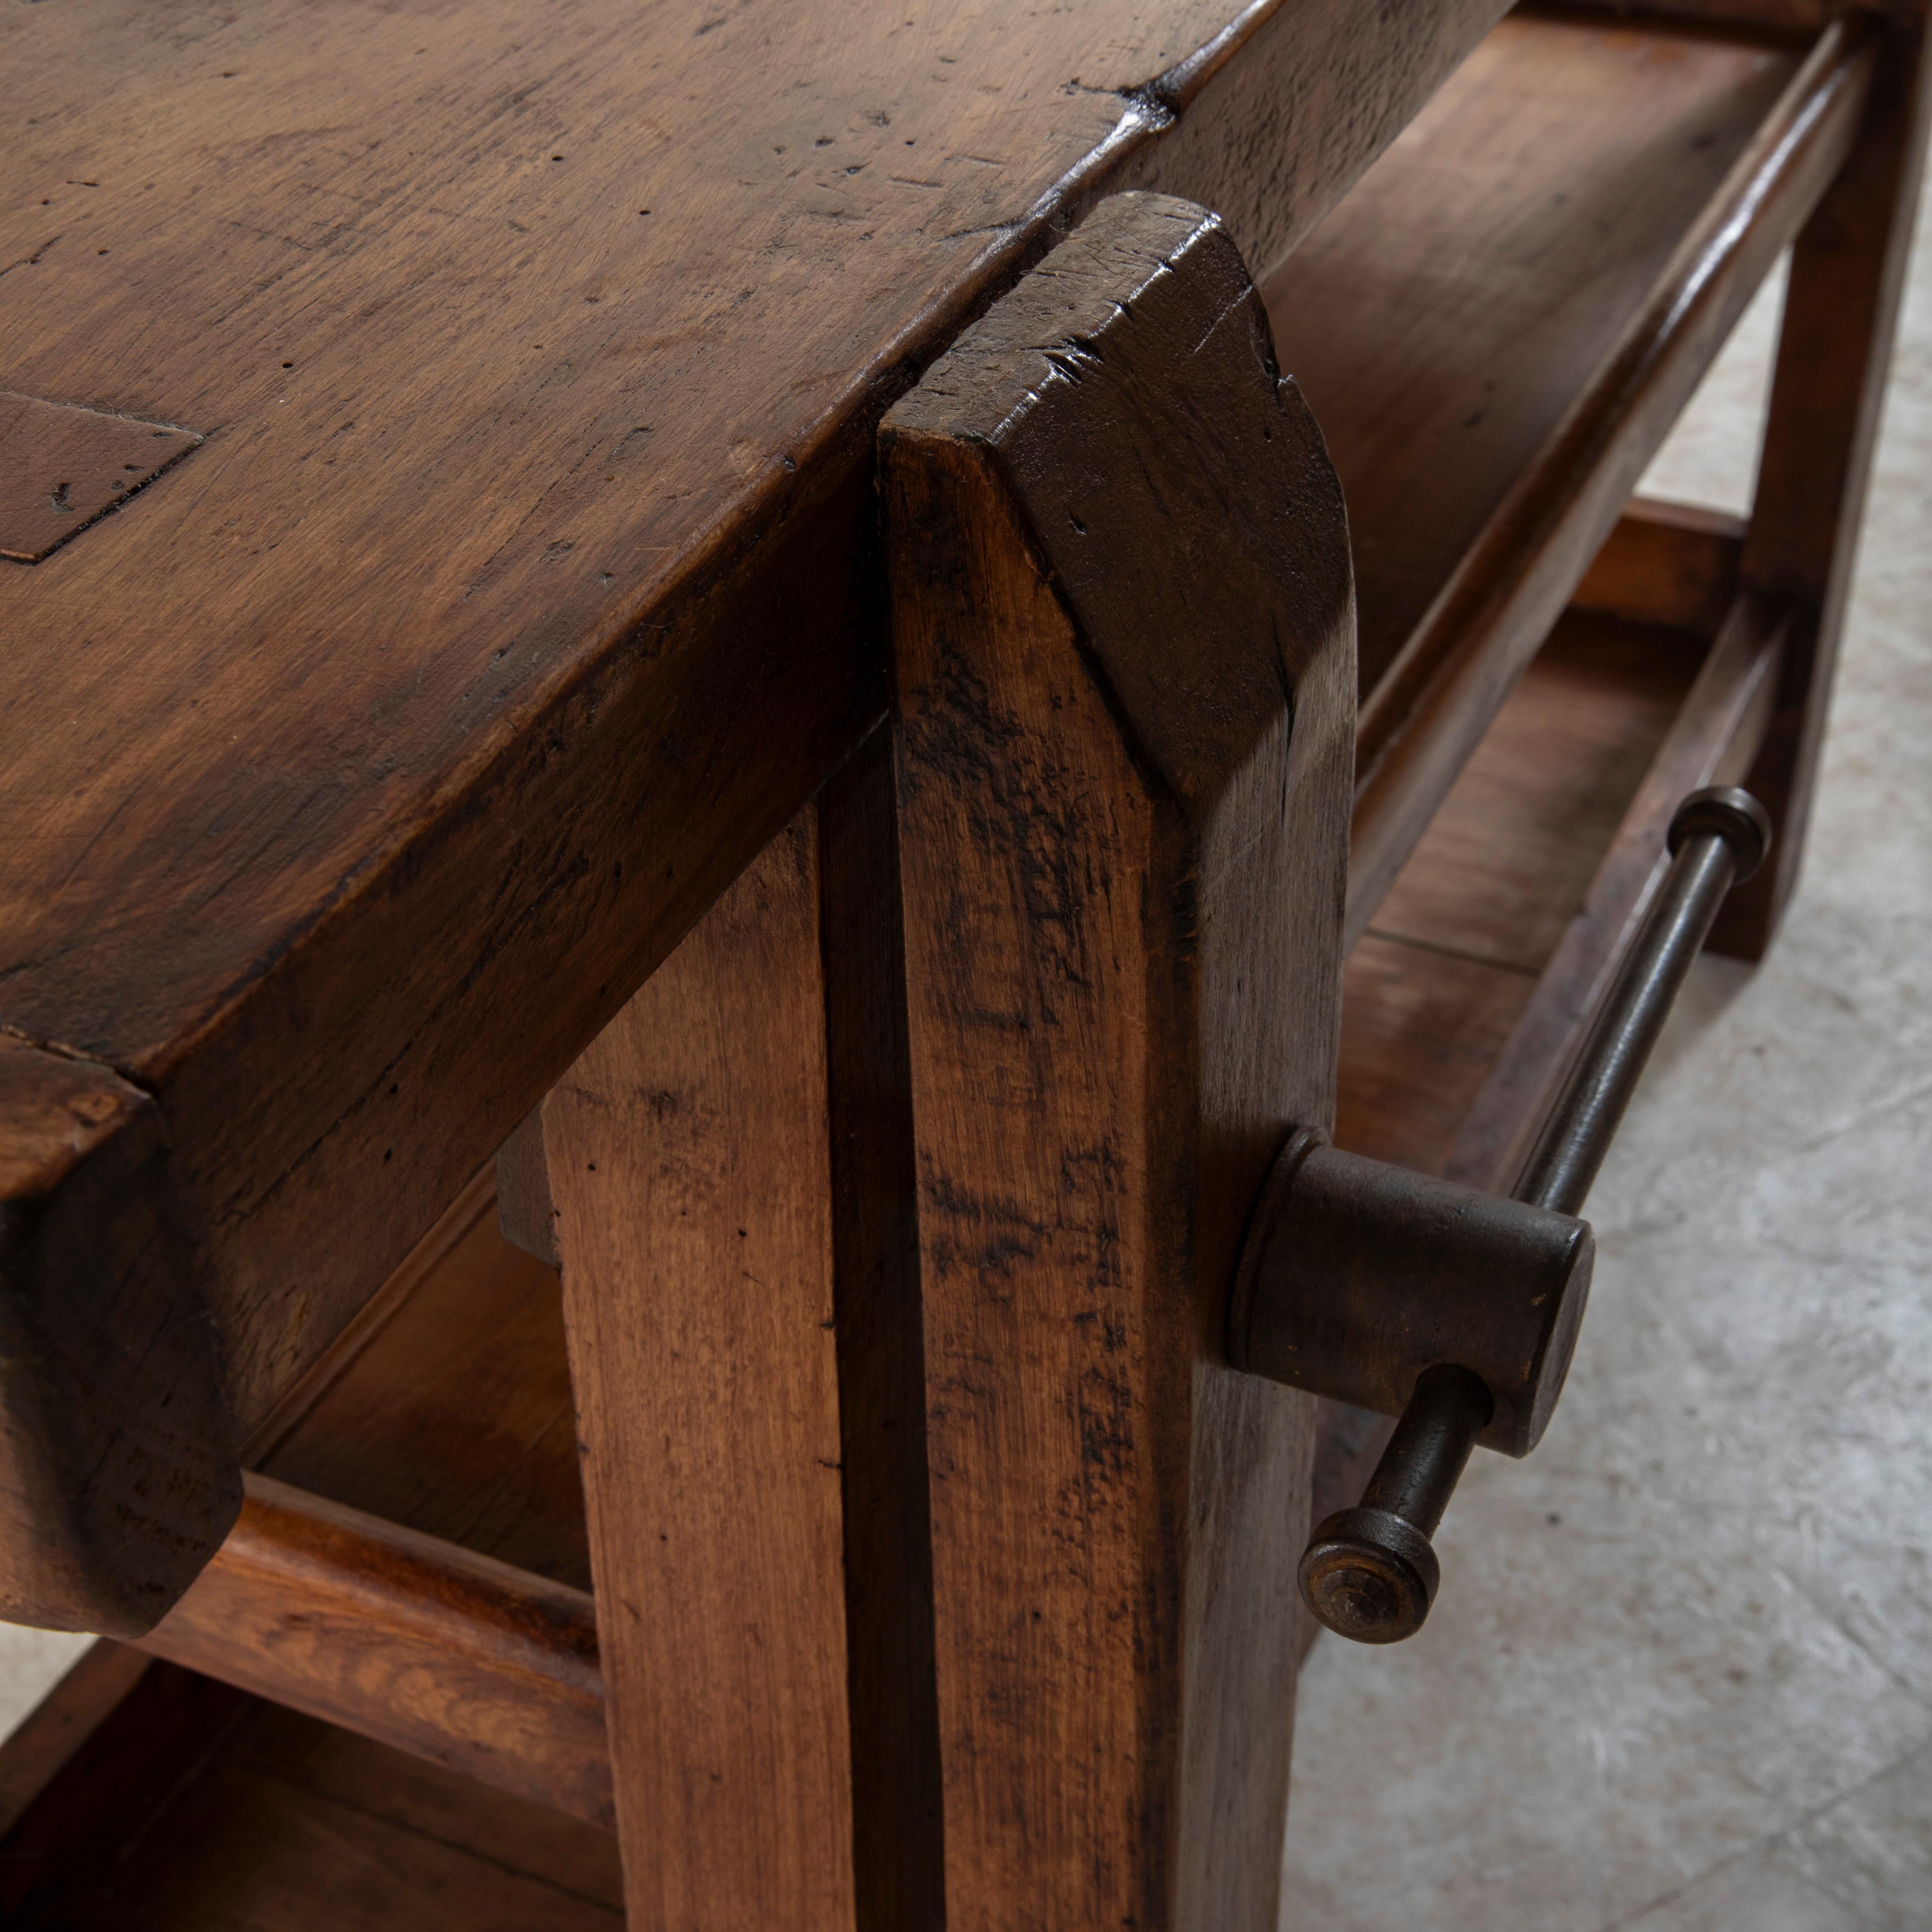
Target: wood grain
[(1712, 739), (1675, 564), (525, 584), (1523, 294), (690, 1171), (271, 1822), (1834, 352), (1119, 564), (405, 1639), (117, 1473)]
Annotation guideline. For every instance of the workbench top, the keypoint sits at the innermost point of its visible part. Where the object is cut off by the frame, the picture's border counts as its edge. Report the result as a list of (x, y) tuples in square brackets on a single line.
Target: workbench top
[(443, 438)]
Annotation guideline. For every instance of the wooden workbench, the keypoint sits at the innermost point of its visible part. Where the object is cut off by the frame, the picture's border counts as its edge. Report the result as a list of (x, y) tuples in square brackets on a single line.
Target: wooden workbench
[(483, 498)]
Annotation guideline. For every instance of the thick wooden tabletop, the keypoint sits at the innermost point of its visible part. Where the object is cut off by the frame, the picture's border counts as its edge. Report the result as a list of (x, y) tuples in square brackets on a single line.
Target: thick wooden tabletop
[(455, 540)]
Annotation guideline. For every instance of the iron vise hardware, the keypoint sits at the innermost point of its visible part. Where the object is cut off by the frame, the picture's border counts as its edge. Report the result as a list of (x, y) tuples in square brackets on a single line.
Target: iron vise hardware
[(1455, 1310)]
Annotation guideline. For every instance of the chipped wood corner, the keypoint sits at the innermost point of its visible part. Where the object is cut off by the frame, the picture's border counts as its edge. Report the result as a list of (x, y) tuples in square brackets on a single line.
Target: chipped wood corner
[(1060, 389), (118, 1472)]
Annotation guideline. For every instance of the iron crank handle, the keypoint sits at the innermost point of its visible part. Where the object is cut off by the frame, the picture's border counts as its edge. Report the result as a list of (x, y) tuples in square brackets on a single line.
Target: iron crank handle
[(1456, 1310)]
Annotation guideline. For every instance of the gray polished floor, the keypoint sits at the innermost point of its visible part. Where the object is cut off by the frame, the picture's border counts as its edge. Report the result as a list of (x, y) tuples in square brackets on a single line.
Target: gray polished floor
[(1680, 1674)]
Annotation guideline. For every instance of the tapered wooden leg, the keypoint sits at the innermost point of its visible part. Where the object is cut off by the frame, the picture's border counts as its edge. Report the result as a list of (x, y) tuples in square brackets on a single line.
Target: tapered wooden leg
[(1123, 630), (689, 1175), (1835, 352)]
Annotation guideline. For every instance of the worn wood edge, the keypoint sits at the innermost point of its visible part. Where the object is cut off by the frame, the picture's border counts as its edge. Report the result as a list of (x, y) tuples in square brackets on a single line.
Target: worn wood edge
[(1426, 716), (405, 1639), (1712, 741), (40, 1746), (1192, 722), (56, 1107), (968, 471), (1262, 82), (119, 1470), (1672, 564)]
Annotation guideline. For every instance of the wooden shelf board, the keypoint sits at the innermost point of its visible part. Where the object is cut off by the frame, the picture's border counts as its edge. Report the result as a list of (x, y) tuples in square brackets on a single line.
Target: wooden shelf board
[(1498, 328), (1451, 310), (272, 1822), (1502, 870), (1434, 990)]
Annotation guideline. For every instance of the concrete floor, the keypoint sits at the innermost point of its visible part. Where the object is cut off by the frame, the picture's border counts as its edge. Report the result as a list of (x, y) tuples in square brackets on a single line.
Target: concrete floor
[(1680, 1674)]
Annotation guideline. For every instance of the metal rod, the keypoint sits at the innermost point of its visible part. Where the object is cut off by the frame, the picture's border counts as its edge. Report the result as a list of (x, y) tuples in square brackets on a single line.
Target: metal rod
[(1370, 1573), (1426, 1455), (1717, 839)]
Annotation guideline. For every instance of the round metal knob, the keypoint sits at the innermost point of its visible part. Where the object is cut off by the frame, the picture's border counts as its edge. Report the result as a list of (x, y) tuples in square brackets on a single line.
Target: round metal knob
[(1368, 1576)]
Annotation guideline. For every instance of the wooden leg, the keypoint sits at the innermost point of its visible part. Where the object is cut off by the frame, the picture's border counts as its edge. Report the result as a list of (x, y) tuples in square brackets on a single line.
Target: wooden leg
[(1847, 270), (1123, 629), (689, 1178)]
